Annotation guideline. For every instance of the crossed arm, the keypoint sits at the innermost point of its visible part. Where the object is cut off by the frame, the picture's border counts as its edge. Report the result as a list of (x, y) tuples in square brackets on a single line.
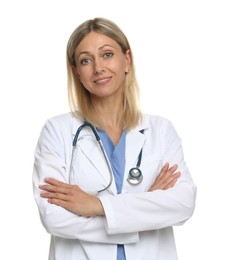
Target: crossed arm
[(75, 200)]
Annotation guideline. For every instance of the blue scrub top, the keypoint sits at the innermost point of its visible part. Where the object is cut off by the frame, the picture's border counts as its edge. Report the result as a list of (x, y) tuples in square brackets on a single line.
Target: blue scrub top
[(116, 156)]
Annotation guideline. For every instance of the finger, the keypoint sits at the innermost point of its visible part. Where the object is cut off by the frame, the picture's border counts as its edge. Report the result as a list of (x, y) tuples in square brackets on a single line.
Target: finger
[(55, 182), (162, 173), (165, 183), (171, 184), (166, 172), (52, 195), (159, 179), (164, 169), (173, 168), (54, 189), (171, 181), (58, 202)]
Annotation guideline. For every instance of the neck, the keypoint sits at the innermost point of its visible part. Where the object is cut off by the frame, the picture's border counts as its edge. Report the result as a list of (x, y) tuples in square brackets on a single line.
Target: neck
[(110, 113), (109, 110)]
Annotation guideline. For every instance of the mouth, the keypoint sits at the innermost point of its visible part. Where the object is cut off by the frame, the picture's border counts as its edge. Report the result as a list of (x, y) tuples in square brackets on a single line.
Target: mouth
[(102, 81)]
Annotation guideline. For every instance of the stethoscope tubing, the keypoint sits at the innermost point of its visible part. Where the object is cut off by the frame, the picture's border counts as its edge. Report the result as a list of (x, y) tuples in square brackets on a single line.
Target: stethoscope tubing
[(87, 124), (135, 175)]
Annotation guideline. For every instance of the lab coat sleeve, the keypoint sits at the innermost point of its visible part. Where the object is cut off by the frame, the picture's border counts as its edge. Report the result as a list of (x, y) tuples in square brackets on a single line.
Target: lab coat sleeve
[(131, 212), (51, 161)]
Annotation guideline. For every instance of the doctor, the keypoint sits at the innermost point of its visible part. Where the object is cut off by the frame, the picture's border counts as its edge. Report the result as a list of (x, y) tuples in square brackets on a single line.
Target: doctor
[(117, 191)]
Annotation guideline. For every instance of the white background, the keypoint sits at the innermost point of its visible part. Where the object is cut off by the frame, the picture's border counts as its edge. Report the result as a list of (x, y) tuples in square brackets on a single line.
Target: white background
[(181, 51)]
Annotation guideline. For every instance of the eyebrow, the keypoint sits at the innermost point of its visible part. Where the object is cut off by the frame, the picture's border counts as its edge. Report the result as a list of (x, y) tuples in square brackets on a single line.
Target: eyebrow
[(105, 45), (100, 48)]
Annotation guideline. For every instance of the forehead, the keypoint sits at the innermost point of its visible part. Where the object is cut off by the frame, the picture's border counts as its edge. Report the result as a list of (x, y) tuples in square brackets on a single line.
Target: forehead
[(94, 41)]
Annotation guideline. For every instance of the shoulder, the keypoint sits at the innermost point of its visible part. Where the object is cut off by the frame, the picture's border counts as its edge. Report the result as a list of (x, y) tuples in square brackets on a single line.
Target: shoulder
[(62, 126), (159, 125), (60, 119), (161, 129), (67, 120), (57, 133), (154, 122), (154, 118), (154, 126)]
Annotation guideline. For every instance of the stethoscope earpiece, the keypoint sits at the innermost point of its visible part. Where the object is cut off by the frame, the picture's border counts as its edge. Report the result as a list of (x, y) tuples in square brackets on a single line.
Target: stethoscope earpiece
[(135, 176)]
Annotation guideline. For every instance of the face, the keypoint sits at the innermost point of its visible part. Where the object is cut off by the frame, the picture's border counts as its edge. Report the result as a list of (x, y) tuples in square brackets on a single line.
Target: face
[(101, 65)]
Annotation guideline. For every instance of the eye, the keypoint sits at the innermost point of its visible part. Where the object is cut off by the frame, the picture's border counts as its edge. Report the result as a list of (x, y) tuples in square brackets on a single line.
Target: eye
[(108, 55), (85, 61)]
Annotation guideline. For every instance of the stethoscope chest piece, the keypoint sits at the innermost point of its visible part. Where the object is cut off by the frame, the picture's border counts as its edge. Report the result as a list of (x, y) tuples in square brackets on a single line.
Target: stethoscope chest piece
[(135, 176)]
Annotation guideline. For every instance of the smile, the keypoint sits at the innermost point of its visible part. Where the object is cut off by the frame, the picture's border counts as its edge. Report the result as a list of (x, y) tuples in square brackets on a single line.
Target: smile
[(102, 81)]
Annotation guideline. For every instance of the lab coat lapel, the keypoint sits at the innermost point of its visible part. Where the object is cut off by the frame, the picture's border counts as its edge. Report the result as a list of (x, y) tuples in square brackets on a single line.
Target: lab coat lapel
[(134, 143), (91, 149)]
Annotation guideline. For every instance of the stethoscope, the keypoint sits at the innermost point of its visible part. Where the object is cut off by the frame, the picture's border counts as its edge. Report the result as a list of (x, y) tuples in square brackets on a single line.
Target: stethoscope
[(135, 175)]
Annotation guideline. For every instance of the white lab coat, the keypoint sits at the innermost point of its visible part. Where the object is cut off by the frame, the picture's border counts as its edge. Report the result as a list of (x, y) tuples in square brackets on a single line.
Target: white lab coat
[(140, 220)]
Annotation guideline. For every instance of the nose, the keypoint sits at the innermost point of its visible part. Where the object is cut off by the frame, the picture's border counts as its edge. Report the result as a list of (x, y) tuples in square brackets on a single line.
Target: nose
[(98, 66)]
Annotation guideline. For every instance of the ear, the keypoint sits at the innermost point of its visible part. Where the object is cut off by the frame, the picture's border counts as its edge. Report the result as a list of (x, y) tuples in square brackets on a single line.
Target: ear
[(128, 61), (75, 71)]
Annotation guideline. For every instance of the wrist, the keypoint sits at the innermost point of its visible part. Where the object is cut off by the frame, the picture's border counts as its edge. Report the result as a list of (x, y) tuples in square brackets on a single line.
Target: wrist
[(99, 211)]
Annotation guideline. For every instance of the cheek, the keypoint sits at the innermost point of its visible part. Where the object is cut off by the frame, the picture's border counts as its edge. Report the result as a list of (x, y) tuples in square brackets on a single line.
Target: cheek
[(119, 68), (85, 79), (82, 74)]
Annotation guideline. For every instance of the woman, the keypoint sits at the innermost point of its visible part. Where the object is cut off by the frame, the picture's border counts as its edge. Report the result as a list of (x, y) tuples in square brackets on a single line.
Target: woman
[(90, 202)]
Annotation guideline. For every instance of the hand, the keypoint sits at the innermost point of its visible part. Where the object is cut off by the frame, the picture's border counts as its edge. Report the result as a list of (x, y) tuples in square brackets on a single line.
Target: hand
[(166, 178), (72, 198)]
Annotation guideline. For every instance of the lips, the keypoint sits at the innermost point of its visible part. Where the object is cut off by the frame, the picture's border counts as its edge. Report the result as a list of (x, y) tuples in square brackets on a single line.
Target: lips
[(102, 81)]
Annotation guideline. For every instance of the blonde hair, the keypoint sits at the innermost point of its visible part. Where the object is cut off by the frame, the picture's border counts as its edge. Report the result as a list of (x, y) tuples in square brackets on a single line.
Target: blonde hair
[(79, 97)]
